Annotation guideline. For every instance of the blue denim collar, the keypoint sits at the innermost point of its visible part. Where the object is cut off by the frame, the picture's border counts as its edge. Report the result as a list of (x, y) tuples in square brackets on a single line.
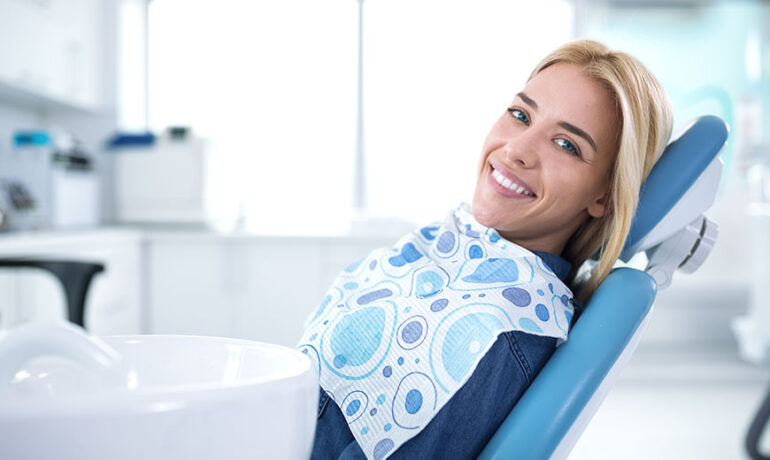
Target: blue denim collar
[(557, 264)]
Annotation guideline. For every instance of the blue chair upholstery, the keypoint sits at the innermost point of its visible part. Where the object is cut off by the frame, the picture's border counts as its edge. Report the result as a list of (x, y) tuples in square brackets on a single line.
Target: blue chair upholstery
[(550, 416)]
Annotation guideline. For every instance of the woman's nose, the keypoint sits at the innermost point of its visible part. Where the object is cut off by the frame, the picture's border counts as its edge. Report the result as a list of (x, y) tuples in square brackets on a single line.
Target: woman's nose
[(522, 149)]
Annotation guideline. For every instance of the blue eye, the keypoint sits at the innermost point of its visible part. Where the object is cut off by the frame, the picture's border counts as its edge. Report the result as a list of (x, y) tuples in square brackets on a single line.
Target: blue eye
[(523, 118), (569, 146)]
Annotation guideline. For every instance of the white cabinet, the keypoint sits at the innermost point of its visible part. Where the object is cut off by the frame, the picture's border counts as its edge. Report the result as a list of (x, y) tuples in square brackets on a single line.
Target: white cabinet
[(188, 289), (52, 49), (259, 288), (176, 282), (231, 287)]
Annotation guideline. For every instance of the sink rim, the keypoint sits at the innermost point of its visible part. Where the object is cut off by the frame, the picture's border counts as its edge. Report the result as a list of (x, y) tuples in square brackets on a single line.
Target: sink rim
[(166, 398)]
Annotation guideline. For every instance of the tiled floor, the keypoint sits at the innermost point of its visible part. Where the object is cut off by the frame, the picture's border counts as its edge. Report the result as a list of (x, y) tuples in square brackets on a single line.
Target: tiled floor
[(677, 405)]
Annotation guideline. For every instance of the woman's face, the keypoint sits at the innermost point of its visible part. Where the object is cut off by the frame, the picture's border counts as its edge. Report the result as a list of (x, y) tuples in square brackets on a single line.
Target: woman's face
[(553, 150)]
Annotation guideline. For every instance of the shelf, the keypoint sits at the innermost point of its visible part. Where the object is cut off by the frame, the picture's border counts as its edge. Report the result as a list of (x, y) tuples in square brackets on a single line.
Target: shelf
[(28, 98)]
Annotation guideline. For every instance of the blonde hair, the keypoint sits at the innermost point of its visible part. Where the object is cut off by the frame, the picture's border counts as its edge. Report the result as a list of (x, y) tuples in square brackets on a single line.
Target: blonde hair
[(646, 121)]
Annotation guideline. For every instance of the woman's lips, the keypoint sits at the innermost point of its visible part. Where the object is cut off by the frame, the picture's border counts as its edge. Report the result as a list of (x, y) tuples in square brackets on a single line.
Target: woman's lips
[(520, 190)]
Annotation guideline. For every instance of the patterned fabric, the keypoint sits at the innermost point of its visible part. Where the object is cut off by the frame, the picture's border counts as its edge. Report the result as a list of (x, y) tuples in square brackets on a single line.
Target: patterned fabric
[(402, 329)]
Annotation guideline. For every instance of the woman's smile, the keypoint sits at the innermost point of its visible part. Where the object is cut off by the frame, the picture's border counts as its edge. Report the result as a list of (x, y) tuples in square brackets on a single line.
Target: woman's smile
[(508, 184)]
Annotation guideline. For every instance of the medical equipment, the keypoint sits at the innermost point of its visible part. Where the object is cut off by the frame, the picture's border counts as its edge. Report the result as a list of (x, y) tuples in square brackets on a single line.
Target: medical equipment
[(405, 327), (160, 180), (51, 181), (552, 414)]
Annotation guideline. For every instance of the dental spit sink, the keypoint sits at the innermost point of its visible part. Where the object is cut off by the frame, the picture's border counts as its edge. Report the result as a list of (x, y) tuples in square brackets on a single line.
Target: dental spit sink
[(64, 394)]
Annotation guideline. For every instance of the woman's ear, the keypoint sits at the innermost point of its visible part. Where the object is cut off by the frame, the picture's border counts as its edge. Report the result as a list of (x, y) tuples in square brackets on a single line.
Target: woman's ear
[(598, 207)]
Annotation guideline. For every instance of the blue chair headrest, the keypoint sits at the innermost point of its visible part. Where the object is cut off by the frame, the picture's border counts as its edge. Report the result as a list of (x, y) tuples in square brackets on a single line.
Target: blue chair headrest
[(680, 165)]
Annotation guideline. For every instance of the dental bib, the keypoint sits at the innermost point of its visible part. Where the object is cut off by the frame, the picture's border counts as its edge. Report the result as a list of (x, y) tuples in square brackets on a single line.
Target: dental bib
[(402, 329)]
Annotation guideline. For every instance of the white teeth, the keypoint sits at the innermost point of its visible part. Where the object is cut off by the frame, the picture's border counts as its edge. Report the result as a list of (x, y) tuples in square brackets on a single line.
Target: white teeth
[(505, 182)]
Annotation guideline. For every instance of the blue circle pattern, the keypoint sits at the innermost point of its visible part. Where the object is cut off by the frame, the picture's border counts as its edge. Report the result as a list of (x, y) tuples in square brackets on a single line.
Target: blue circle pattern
[(354, 405), (356, 343), (439, 305), (412, 332), (458, 353), (415, 396)]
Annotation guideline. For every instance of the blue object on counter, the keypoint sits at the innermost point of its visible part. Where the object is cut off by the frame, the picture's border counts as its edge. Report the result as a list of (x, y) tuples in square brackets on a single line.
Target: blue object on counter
[(28, 138), (119, 140)]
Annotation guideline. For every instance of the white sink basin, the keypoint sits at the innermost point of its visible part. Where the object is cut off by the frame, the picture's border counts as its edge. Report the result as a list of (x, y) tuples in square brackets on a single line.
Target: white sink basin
[(65, 395)]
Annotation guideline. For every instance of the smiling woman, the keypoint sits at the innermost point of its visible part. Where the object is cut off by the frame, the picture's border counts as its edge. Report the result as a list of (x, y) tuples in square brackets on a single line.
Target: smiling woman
[(491, 285), (616, 99)]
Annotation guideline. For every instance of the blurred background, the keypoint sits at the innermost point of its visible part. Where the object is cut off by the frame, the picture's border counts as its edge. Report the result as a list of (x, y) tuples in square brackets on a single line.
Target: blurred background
[(224, 160)]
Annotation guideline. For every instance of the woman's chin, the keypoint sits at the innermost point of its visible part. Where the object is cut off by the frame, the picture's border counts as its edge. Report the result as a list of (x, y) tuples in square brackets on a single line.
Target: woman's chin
[(484, 214)]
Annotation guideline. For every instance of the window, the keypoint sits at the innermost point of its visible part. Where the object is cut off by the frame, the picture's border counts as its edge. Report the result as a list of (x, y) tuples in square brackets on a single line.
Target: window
[(272, 85), (437, 75)]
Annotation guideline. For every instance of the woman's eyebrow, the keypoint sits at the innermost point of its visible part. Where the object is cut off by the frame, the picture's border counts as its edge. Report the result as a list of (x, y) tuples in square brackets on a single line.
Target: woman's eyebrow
[(528, 100), (568, 126), (574, 129)]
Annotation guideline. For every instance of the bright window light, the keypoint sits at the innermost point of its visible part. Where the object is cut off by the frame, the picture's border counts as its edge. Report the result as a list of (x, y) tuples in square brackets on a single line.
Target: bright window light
[(438, 74), (272, 85)]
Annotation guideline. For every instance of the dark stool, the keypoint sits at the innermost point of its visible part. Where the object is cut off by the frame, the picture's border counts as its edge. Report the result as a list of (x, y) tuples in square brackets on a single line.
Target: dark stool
[(75, 278)]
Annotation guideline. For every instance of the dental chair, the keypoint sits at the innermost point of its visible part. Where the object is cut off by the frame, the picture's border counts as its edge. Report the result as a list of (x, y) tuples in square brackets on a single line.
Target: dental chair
[(670, 228)]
